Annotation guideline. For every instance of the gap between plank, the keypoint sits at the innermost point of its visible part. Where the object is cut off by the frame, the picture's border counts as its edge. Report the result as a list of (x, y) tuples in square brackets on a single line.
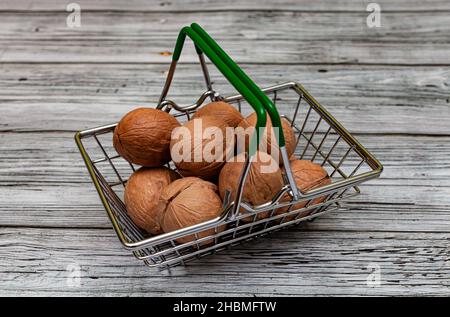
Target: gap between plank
[(93, 228), (362, 10), (208, 63), (393, 134)]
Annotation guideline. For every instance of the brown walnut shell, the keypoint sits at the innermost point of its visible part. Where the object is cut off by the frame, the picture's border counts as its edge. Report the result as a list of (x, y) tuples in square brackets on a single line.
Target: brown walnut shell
[(262, 182), (142, 192), (289, 135), (143, 136), (196, 162), (221, 110), (308, 176), (190, 201)]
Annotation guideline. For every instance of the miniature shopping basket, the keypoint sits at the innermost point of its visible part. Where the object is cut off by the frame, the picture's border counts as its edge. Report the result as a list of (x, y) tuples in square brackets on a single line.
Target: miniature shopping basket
[(320, 138)]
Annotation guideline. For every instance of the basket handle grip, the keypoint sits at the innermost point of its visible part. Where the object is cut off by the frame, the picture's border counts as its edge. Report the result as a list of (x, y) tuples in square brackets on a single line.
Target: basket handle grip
[(267, 103), (248, 89), (269, 106), (235, 79)]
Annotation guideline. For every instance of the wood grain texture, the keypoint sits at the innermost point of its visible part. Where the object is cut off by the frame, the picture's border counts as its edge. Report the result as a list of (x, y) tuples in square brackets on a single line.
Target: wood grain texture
[(43, 178), (293, 262), (218, 5), (389, 86), (249, 37), (366, 99)]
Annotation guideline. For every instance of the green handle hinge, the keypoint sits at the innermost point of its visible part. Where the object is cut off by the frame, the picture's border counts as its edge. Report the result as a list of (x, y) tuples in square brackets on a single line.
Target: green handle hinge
[(237, 77)]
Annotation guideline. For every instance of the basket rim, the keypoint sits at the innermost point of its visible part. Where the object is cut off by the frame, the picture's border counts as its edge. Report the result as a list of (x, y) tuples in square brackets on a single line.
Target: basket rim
[(370, 159)]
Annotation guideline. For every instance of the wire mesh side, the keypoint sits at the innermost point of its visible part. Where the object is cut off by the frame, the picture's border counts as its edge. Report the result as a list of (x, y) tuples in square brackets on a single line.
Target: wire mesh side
[(317, 141)]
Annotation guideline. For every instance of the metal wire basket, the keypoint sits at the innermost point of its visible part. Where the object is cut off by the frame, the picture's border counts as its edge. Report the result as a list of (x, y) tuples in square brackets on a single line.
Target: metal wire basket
[(320, 138)]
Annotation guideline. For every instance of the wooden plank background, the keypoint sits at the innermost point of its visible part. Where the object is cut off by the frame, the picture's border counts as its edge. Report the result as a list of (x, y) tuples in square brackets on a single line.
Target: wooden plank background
[(288, 37), (389, 86)]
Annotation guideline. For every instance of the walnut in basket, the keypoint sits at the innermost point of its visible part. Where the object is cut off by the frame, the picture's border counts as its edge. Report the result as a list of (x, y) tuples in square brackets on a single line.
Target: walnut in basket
[(143, 136), (142, 193), (190, 201)]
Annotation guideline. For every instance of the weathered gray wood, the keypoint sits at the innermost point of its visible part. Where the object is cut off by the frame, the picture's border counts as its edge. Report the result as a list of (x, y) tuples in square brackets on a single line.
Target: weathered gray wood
[(294, 38), (288, 263), (231, 26), (43, 177), (45, 158), (218, 5), (393, 208), (51, 217), (366, 99)]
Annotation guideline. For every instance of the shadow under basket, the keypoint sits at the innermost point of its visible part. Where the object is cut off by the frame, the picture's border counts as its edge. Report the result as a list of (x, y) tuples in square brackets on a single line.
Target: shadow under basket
[(320, 138)]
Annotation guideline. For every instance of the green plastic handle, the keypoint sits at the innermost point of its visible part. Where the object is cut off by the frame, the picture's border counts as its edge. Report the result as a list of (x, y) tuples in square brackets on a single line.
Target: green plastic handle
[(234, 79), (267, 103)]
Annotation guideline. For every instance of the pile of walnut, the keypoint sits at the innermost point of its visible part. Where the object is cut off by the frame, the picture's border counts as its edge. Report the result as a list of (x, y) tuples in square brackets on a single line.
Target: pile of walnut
[(160, 200)]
